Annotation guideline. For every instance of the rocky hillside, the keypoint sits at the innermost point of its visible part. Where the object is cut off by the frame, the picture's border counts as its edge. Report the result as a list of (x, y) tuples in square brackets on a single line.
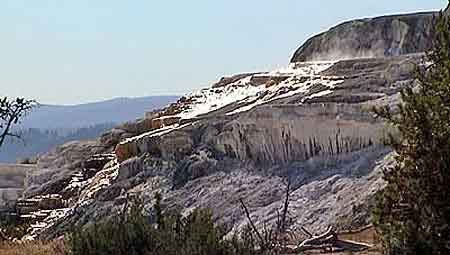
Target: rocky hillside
[(367, 38), (244, 137)]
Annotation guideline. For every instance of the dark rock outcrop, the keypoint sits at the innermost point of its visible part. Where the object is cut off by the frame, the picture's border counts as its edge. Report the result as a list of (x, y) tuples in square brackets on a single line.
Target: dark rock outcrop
[(373, 37)]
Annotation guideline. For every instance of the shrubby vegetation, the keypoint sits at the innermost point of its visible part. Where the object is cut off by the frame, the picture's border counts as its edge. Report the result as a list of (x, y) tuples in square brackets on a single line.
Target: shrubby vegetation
[(12, 227), (413, 211), (132, 233)]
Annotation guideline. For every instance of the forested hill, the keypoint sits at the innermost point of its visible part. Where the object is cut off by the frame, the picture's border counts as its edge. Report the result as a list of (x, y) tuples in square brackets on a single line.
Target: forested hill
[(35, 141), (116, 110), (50, 125)]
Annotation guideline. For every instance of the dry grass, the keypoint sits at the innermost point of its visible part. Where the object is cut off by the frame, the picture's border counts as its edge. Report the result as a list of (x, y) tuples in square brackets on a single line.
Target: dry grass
[(368, 252), (32, 248), (57, 247), (367, 235)]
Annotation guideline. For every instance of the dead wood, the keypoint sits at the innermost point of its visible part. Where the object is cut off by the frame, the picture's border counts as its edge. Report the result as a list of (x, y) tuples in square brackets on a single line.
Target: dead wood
[(329, 241), (255, 230)]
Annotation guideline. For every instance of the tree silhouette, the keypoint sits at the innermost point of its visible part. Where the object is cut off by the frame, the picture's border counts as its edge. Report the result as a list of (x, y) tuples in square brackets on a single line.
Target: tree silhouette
[(11, 112)]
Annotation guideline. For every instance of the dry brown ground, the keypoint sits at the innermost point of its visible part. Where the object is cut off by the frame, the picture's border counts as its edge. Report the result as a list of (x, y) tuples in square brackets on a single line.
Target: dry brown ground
[(374, 252), (38, 248), (367, 235), (56, 247), (31, 248)]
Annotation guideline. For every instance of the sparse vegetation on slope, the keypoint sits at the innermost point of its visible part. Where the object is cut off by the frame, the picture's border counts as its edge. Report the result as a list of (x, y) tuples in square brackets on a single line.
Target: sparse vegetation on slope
[(132, 233)]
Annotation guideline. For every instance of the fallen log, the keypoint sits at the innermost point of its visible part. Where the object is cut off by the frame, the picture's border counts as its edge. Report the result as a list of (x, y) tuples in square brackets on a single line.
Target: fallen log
[(326, 238), (329, 241), (324, 241)]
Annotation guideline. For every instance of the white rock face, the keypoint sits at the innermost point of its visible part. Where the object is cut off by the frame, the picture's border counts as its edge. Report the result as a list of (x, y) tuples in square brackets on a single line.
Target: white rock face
[(285, 134), (326, 191), (256, 89)]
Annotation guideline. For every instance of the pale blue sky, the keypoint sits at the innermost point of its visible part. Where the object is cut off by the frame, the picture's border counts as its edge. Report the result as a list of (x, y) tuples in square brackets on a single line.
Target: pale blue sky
[(74, 51)]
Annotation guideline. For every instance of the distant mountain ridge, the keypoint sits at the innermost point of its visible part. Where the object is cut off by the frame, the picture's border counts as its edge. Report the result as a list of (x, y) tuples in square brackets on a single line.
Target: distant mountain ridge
[(116, 110), (50, 125)]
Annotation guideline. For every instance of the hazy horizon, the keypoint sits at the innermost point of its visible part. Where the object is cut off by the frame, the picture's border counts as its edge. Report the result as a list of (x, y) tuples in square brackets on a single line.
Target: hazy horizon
[(76, 52), (111, 99)]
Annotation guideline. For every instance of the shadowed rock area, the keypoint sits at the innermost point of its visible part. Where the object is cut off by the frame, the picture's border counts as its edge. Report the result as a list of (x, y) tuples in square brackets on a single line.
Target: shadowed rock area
[(367, 38)]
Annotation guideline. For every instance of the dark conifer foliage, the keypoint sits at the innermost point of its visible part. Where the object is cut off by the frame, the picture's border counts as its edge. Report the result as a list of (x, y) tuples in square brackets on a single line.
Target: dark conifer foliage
[(132, 233), (413, 212)]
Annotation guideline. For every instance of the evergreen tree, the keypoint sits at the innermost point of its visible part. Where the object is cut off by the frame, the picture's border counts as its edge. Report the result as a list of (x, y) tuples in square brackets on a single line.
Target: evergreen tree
[(413, 211)]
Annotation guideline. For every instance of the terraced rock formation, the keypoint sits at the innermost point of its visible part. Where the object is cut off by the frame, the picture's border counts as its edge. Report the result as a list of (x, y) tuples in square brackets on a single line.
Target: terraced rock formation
[(244, 138)]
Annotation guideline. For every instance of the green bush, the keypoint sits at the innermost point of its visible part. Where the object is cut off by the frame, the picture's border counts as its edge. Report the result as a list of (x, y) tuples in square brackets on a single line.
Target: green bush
[(172, 234), (413, 211), (12, 227)]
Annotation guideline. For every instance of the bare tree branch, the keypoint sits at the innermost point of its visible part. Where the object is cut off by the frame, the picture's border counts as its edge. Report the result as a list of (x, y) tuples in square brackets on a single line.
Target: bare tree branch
[(11, 112), (285, 207), (247, 213), (307, 232)]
